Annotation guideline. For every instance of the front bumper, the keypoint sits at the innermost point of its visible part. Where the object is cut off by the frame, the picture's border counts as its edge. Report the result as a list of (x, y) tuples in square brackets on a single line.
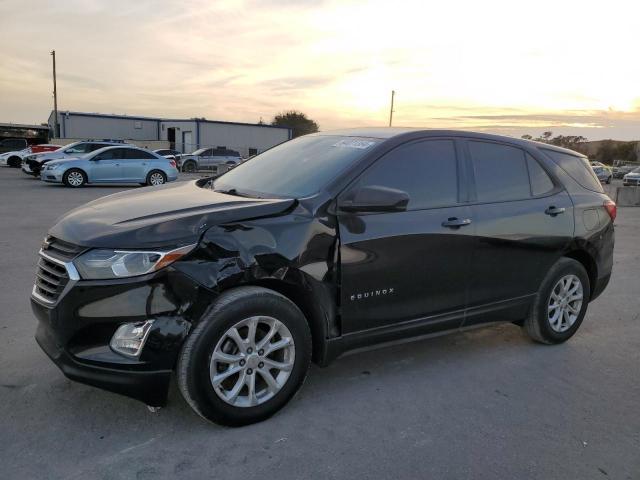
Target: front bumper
[(54, 176), (75, 330), (631, 182), (31, 167)]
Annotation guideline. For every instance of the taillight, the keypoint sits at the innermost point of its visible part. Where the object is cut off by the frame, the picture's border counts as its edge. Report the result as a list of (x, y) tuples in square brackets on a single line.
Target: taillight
[(172, 163), (610, 207)]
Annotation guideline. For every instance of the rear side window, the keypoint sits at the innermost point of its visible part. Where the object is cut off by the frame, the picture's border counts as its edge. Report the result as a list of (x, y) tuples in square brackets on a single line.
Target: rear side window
[(500, 172), (426, 170), (577, 168), (134, 154), (540, 181)]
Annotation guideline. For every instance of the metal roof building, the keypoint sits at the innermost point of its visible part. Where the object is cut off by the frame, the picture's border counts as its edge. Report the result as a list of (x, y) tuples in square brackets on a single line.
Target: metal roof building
[(183, 135)]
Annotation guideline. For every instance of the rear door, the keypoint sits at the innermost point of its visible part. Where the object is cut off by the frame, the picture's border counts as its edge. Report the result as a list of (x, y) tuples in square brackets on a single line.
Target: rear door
[(523, 221), (136, 164), (400, 266)]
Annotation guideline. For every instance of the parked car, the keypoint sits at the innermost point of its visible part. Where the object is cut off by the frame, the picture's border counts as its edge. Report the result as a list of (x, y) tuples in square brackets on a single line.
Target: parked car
[(168, 153), (209, 158), (13, 145), (32, 164), (324, 244), (44, 147), (620, 172), (603, 173), (121, 164), (632, 178), (14, 159)]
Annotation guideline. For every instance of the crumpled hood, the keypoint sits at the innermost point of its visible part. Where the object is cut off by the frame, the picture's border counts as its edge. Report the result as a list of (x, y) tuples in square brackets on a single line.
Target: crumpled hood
[(172, 214)]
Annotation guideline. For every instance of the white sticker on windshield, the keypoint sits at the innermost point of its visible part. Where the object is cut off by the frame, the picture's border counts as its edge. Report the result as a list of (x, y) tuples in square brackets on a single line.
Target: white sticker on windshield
[(353, 143)]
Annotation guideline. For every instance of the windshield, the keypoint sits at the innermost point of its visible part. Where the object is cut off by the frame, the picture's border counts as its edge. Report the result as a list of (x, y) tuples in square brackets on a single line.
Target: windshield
[(297, 168), (636, 170), (199, 151)]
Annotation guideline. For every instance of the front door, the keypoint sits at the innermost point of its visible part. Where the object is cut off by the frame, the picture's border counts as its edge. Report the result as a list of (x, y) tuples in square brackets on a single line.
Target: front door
[(106, 166), (523, 222), (401, 266)]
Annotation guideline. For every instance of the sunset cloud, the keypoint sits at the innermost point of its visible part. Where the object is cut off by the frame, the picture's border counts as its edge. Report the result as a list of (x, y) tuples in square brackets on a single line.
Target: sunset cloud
[(503, 66)]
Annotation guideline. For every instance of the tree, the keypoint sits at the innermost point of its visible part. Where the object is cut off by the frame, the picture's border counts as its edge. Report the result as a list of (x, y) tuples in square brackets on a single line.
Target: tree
[(527, 137), (296, 121)]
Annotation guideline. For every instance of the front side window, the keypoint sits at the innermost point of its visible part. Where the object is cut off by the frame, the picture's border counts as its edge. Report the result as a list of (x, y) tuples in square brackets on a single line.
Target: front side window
[(425, 170), (112, 154), (500, 172), (79, 148), (297, 168)]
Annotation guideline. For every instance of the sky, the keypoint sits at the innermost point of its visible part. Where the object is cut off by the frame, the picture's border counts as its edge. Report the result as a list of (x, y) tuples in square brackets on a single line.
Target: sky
[(510, 67)]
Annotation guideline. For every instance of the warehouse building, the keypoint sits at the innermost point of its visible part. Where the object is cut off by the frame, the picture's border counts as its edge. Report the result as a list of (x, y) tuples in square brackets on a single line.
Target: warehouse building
[(182, 135)]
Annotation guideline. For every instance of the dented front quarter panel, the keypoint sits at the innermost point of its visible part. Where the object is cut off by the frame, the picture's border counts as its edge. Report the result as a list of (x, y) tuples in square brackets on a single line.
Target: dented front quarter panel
[(294, 254)]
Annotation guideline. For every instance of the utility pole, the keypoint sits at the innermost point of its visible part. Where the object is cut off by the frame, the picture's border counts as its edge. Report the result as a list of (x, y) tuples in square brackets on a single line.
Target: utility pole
[(393, 93), (55, 97)]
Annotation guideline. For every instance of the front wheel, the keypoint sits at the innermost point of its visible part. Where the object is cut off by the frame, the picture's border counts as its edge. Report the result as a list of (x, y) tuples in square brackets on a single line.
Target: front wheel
[(609, 181), (189, 167), (14, 162), (246, 358), (74, 178), (156, 177), (561, 303)]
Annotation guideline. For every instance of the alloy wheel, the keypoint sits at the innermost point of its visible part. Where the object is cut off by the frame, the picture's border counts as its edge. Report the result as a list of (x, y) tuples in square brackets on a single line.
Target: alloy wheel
[(252, 361), (565, 303), (156, 179), (75, 179)]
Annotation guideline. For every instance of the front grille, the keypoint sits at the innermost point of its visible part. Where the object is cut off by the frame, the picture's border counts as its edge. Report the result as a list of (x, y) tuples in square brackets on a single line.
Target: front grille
[(60, 249), (51, 278), (53, 275)]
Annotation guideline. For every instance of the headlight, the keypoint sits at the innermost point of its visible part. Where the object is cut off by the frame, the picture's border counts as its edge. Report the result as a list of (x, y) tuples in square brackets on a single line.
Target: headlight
[(100, 263), (52, 167)]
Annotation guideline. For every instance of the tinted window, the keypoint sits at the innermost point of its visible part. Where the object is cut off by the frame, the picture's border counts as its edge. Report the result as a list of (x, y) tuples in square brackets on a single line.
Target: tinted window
[(426, 170), (540, 181), (113, 154), (96, 146), (578, 168), (135, 154), (500, 172), (296, 168)]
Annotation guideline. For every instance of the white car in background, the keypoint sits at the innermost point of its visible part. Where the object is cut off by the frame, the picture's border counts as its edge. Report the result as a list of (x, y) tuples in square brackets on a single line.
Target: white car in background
[(14, 159)]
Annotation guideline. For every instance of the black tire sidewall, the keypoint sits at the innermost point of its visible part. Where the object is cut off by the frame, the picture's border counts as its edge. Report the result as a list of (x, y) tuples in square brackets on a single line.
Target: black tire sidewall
[(565, 266), (186, 167), (66, 175), (198, 380)]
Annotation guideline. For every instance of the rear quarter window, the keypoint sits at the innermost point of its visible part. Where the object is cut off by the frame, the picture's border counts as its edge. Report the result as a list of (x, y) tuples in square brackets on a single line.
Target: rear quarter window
[(577, 168)]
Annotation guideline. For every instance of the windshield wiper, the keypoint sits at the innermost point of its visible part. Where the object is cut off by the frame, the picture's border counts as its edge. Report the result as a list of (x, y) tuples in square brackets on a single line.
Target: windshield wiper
[(233, 191)]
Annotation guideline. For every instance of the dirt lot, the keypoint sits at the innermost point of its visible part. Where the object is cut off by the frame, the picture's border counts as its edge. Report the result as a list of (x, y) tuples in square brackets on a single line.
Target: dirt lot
[(484, 404)]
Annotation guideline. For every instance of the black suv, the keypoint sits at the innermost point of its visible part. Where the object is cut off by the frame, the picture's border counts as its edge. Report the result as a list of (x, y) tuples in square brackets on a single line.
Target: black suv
[(321, 245)]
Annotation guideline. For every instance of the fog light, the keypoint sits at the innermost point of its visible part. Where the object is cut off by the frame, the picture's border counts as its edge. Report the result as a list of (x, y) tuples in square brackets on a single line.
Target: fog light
[(130, 337)]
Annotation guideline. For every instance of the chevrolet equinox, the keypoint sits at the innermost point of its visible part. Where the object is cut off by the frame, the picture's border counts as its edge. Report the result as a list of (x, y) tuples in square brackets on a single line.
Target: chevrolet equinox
[(324, 244)]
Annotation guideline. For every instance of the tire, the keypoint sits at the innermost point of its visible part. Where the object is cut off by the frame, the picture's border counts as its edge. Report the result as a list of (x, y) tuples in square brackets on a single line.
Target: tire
[(541, 324), (609, 181), (196, 365), (14, 162), (190, 167), (74, 178), (156, 177)]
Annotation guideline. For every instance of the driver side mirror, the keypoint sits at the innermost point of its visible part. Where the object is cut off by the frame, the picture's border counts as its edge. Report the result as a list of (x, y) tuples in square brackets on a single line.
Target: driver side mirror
[(375, 199)]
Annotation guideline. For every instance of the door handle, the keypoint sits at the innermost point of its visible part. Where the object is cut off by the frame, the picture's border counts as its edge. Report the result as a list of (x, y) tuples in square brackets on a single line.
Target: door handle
[(553, 211), (455, 222)]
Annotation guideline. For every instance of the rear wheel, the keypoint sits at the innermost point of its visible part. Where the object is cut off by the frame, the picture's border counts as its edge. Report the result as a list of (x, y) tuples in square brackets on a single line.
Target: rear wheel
[(561, 303), (246, 358), (156, 177), (189, 167), (74, 178)]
